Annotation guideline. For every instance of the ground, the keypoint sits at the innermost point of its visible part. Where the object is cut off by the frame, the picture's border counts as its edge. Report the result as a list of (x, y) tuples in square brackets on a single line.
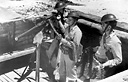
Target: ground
[(96, 7), (101, 7)]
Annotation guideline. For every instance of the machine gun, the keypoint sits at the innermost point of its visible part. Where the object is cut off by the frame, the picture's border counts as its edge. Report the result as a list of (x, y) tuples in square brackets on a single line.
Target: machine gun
[(50, 50), (45, 17)]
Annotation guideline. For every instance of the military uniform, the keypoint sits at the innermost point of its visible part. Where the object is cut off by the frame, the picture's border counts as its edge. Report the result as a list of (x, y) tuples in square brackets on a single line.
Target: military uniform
[(67, 54), (109, 52)]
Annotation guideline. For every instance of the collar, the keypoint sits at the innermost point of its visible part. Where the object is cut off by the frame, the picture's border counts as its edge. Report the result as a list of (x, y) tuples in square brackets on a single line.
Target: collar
[(73, 28), (111, 35)]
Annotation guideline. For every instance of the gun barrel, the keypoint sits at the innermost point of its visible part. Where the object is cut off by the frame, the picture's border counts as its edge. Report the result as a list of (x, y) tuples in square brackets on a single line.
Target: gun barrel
[(28, 31)]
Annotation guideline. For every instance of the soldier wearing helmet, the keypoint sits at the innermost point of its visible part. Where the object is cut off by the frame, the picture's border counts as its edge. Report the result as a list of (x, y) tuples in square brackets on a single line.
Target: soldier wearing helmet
[(60, 15), (109, 53), (60, 7), (68, 49), (108, 18)]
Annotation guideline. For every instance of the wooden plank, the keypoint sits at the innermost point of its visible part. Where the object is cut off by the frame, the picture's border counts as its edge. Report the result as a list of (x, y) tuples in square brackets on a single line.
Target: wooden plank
[(11, 76), (38, 63), (15, 54)]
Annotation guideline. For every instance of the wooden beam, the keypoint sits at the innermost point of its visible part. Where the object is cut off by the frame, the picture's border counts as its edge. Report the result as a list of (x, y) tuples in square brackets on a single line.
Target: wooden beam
[(38, 63), (91, 24), (123, 26), (15, 54)]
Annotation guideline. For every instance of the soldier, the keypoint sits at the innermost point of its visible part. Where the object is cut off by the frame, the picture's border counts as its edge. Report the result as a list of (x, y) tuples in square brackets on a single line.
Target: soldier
[(60, 7), (109, 54), (61, 13), (68, 50)]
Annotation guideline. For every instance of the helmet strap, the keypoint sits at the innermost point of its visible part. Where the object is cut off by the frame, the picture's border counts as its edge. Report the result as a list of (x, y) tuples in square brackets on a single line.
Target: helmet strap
[(73, 23), (105, 28)]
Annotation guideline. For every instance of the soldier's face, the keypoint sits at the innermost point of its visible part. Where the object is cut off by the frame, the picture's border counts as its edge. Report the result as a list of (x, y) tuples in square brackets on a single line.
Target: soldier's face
[(108, 30), (107, 27), (104, 25), (61, 10), (70, 21)]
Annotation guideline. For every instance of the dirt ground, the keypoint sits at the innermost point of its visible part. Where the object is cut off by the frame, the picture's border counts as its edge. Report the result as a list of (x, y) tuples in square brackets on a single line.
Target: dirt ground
[(95, 7), (101, 7)]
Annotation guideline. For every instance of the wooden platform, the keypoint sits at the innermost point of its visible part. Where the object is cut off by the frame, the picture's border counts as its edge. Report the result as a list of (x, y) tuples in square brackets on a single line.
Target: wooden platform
[(15, 60), (15, 54), (12, 76)]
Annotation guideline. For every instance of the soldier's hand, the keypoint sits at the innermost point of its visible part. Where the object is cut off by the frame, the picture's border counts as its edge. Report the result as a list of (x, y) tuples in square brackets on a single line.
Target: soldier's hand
[(64, 41), (59, 37), (58, 17), (99, 67)]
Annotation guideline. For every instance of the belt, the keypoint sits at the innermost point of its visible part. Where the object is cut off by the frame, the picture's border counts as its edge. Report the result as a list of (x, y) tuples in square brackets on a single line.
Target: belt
[(65, 49), (101, 60)]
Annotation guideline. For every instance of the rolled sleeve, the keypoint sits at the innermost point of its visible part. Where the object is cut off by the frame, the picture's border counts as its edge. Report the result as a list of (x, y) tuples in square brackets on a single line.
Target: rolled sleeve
[(117, 54), (77, 37)]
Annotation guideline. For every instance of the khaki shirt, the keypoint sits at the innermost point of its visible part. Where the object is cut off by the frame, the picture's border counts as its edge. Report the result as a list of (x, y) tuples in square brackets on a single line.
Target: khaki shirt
[(110, 51), (74, 33)]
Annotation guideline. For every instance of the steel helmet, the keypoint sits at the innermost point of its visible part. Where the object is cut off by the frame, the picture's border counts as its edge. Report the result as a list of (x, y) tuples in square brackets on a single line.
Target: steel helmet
[(108, 17), (60, 5), (73, 14)]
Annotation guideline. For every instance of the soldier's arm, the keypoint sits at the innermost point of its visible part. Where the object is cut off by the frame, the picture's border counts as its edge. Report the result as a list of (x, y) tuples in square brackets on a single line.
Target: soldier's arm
[(117, 53), (76, 39), (77, 36), (62, 27)]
